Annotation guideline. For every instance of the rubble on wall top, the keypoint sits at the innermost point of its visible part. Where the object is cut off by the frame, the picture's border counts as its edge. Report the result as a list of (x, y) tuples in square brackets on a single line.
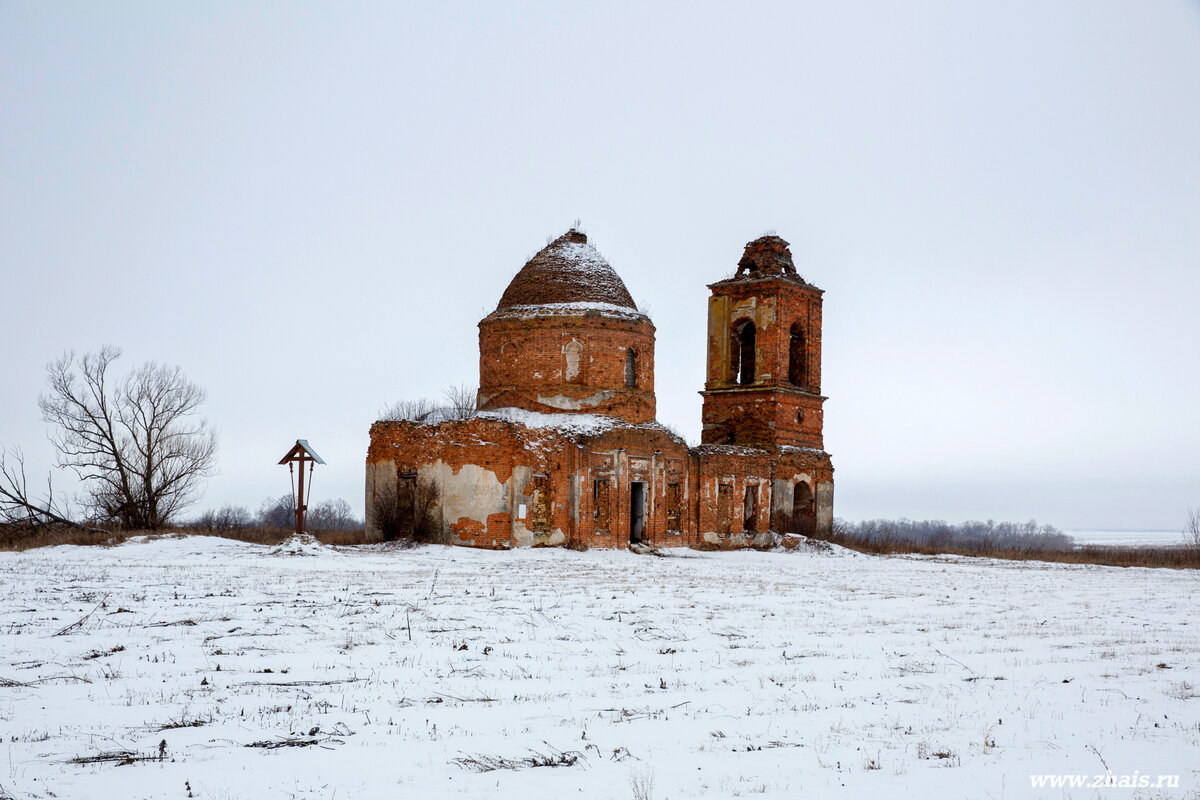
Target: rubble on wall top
[(730, 450), (746, 451), (570, 424), (566, 271), (566, 424), (792, 448)]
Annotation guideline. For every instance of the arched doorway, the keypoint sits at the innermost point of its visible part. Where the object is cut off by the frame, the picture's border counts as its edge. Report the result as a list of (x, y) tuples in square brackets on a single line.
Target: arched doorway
[(804, 510)]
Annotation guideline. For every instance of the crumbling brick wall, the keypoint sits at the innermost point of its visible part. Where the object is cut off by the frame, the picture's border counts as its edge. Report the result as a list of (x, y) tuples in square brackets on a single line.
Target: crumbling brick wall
[(564, 363), (502, 484), (499, 483), (762, 418), (728, 475), (614, 461)]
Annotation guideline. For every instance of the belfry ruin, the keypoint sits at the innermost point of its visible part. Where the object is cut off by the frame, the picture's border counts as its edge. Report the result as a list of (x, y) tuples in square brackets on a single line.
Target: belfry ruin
[(565, 450)]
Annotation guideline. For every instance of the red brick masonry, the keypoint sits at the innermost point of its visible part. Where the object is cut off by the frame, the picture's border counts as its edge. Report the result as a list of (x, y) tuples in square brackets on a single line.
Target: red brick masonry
[(566, 450)]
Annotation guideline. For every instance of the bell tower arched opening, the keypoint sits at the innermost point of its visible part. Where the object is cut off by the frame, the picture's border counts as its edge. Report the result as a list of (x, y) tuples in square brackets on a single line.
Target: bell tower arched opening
[(741, 353), (797, 356)]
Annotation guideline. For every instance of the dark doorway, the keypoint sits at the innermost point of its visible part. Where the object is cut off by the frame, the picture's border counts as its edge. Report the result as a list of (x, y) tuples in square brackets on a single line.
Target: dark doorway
[(724, 509), (404, 519), (804, 513), (637, 510), (600, 505), (750, 509)]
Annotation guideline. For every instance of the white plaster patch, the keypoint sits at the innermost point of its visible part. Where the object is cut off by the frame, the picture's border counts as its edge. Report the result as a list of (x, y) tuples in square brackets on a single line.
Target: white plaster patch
[(573, 350), (472, 493), (561, 401)]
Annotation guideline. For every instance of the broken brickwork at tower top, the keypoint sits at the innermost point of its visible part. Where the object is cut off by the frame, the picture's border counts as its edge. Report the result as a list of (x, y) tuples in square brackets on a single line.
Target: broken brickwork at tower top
[(766, 255)]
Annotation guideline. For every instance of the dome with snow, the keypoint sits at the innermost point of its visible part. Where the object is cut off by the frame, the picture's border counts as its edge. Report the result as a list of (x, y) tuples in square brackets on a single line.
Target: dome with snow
[(566, 337), (567, 271)]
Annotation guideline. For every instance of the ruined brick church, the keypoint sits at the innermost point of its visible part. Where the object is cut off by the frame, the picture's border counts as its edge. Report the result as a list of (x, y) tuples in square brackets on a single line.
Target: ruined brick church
[(565, 449)]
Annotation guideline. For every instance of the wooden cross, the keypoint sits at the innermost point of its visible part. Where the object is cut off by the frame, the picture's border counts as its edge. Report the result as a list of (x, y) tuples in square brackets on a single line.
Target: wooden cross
[(302, 453)]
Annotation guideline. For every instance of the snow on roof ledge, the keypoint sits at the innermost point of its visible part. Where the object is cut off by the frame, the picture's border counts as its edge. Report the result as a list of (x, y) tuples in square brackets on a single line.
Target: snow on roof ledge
[(565, 424), (580, 424), (580, 308)]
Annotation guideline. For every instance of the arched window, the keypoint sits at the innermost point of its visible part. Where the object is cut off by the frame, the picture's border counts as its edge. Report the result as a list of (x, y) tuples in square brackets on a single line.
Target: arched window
[(631, 368), (798, 357), (741, 353)]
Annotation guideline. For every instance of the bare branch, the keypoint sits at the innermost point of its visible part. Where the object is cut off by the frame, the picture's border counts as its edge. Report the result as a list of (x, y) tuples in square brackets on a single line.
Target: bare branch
[(19, 508)]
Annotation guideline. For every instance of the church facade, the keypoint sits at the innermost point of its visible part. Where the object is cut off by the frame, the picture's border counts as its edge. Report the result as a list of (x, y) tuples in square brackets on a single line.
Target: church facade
[(565, 448)]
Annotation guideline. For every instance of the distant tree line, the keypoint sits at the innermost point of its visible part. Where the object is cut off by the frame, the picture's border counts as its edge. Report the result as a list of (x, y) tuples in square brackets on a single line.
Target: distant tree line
[(328, 515), (1022, 541), (983, 536)]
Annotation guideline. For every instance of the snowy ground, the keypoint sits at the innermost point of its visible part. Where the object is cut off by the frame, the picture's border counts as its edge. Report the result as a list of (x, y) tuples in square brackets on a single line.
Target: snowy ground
[(1128, 538), (781, 675)]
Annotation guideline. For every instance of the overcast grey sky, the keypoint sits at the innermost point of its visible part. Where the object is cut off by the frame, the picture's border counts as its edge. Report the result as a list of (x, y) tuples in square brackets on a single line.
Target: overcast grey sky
[(309, 208)]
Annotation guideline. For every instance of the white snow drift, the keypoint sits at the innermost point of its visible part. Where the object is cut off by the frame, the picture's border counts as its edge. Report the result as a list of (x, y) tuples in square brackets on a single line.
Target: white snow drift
[(228, 670)]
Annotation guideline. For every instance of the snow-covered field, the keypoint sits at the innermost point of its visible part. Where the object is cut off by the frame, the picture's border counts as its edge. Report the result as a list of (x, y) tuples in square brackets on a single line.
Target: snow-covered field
[(1128, 538), (401, 673)]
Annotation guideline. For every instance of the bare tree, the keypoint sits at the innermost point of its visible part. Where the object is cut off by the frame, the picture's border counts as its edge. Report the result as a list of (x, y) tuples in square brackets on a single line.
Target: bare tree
[(277, 512), (409, 511), (461, 401), (225, 518), (333, 515), (408, 410), (137, 445), (1191, 528)]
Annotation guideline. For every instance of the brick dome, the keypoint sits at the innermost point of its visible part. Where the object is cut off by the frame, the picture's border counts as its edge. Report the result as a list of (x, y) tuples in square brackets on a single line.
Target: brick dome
[(568, 270), (567, 338)]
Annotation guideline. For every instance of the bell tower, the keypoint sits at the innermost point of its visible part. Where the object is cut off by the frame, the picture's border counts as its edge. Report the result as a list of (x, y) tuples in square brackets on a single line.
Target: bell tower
[(763, 385)]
